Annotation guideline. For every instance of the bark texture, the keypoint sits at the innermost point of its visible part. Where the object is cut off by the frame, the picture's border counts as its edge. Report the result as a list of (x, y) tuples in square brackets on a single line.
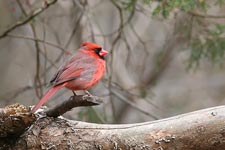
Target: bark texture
[(200, 130), (14, 120), (72, 102)]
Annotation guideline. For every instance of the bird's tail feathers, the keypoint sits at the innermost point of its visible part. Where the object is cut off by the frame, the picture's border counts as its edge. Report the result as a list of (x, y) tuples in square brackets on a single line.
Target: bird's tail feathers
[(45, 98)]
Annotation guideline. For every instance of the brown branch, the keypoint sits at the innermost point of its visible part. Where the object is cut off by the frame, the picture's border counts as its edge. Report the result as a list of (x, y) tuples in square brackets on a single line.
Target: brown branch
[(206, 15), (73, 101), (28, 18), (43, 53), (39, 91), (114, 42), (201, 130), (75, 29), (39, 40)]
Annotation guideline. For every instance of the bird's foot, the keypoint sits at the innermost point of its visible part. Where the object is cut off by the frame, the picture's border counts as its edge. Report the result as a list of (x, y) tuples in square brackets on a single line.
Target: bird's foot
[(41, 115)]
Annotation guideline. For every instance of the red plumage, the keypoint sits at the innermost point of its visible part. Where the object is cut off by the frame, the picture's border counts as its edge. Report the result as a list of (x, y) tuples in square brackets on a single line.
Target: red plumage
[(80, 72)]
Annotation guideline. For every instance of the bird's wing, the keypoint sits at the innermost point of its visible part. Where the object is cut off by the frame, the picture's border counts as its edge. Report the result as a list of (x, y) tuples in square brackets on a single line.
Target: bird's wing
[(72, 69), (65, 80)]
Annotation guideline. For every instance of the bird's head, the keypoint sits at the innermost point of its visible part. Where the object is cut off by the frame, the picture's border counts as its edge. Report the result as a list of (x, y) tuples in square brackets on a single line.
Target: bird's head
[(95, 49)]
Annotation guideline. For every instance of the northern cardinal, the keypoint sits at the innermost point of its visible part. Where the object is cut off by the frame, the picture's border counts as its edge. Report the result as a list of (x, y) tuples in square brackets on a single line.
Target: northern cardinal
[(80, 72)]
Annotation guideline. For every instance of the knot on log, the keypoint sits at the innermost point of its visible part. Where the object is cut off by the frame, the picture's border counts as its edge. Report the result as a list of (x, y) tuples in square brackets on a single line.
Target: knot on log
[(14, 119)]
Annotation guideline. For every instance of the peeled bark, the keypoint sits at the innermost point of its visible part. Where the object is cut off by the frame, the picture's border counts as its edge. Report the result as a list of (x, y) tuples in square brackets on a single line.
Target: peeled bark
[(200, 130)]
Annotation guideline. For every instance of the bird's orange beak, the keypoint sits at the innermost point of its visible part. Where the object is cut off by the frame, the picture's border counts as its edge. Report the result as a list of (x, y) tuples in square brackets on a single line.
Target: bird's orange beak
[(103, 52)]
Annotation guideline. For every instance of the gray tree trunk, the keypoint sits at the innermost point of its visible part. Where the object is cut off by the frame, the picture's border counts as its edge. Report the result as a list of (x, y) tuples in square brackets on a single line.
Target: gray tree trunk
[(200, 130)]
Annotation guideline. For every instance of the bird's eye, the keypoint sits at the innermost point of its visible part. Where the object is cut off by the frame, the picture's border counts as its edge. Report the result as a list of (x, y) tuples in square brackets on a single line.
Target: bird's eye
[(97, 50)]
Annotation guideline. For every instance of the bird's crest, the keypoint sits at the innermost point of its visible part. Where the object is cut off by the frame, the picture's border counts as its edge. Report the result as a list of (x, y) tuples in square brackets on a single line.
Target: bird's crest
[(90, 45)]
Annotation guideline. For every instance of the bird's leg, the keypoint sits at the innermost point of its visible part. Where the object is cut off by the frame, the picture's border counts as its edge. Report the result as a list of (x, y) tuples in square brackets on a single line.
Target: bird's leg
[(88, 93), (74, 93)]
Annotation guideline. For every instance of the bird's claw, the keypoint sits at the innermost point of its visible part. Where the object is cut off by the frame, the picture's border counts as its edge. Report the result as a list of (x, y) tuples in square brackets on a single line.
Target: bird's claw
[(40, 115)]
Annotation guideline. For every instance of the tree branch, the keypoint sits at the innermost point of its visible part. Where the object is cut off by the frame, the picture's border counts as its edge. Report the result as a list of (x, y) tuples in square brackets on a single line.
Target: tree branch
[(28, 18), (198, 14), (201, 130), (73, 101)]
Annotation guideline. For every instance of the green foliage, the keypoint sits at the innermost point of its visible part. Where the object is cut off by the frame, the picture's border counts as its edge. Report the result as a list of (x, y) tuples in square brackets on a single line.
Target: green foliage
[(208, 41), (210, 46), (220, 2), (167, 6), (129, 5)]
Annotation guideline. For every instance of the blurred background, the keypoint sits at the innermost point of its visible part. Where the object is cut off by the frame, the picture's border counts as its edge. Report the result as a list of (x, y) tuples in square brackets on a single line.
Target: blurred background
[(166, 56)]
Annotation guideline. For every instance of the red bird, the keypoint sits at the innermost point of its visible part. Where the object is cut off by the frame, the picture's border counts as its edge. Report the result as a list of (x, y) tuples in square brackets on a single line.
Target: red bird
[(80, 72)]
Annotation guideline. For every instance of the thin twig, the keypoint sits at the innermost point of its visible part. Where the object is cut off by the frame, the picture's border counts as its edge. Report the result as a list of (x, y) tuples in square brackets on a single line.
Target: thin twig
[(27, 19), (39, 40), (206, 15), (134, 105), (37, 79), (73, 31), (124, 23)]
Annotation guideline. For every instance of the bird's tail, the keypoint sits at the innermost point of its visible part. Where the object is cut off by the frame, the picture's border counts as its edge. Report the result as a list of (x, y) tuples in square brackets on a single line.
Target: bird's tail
[(45, 98)]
